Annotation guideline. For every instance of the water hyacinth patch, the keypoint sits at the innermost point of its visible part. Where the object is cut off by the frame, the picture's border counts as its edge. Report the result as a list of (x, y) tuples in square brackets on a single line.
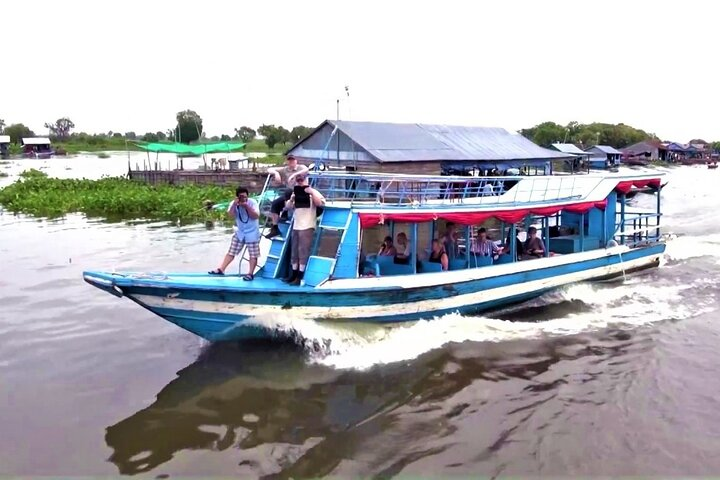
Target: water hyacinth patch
[(112, 197)]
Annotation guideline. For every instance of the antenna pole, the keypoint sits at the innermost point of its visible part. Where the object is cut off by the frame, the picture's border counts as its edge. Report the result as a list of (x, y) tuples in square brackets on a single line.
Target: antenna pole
[(337, 108)]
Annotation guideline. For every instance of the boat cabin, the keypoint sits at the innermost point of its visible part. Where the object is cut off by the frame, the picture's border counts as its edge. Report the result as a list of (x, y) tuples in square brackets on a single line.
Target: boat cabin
[(4, 146), (569, 214), (38, 147)]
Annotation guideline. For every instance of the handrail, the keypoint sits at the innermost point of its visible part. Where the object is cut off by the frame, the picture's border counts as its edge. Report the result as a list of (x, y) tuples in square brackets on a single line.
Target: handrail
[(414, 190)]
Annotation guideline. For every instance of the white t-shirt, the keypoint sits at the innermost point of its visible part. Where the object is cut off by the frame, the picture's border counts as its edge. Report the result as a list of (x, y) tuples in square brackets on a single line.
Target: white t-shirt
[(305, 218)]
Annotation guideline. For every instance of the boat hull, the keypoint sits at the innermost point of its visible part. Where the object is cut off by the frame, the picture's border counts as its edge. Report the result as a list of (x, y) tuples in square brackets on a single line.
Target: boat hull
[(233, 313)]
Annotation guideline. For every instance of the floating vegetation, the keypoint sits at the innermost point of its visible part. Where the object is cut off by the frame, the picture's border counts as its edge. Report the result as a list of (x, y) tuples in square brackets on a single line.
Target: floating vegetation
[(112, 197), (3, 174), (103, 155)]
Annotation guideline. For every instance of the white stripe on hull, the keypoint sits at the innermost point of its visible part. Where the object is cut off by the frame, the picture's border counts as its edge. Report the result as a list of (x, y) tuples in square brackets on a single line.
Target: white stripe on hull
[(380, 311), (458, 276)]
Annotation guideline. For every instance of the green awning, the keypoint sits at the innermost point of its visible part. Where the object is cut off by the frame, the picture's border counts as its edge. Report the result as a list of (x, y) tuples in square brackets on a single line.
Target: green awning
[(184, 149)]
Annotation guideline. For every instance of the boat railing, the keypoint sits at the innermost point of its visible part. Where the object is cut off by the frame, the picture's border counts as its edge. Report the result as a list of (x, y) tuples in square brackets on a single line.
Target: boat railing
[(637, 228), (414, 190)]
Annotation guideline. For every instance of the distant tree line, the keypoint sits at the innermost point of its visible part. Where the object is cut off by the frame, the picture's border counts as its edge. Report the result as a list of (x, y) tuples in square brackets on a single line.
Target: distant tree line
[(188, 128), (618, 136)]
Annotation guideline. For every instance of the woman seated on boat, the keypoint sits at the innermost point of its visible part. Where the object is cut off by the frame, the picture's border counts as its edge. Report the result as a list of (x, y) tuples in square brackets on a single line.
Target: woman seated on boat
[(449, 241), (387, 249), (438, 255), (482, 246), (533, 247), (402, 251)]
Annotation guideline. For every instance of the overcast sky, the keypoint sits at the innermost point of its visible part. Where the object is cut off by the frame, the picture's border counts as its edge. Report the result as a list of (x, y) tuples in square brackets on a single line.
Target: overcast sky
[(126, 65)]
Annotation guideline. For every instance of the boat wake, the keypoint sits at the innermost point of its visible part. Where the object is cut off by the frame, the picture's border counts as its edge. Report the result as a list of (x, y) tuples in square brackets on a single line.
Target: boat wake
[(573, 310)]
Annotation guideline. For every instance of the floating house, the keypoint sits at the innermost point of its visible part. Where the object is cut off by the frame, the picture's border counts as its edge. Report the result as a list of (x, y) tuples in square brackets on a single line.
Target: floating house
[(4, 146), (37, 147), (424, 149), (604, 157), (580, 157)]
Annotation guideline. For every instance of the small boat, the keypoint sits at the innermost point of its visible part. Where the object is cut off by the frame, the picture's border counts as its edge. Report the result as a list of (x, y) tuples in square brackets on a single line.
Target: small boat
[(712, 165), (586, 229)]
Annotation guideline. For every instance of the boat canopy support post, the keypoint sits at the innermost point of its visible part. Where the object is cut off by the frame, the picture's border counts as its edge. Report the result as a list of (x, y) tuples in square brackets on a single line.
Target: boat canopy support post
[(546, 235), (622, 219), (467, 246), (413, 247), (657, 219), (513, 242), (582, 232)]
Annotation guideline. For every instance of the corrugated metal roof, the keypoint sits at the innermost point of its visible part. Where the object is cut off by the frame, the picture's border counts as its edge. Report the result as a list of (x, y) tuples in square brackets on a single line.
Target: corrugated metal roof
[(36, 141), (607, 149), (568, 148), (402, 142), (4, 138)]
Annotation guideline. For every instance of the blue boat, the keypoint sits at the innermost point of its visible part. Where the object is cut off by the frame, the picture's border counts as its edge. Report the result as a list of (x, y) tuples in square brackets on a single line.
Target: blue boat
[(586, 229)]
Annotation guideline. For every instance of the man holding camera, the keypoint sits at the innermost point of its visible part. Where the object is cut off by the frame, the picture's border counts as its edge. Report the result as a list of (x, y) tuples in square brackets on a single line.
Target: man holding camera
[(245, 212), (305, 200)]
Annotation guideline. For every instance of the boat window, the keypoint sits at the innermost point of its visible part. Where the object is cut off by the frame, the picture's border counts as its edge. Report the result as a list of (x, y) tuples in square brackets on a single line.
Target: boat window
[(328, 242)]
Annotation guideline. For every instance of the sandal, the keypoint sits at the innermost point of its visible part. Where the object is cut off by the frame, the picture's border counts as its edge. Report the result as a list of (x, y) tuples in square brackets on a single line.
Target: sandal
[(249, 277), (217, 271)]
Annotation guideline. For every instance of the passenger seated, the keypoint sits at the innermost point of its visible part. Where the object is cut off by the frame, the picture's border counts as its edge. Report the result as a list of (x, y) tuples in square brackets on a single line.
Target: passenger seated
[(438, 255), (483, 246), (518, 245), (449, 241), (387, 249), (402, 251), (533, 247)]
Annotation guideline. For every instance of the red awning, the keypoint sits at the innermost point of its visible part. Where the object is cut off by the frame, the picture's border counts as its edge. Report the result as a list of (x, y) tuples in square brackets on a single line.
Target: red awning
[(368, 220), (625, 187)]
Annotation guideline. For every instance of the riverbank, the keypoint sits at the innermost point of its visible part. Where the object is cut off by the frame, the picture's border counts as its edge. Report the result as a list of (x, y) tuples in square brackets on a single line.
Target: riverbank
[(115, 198)]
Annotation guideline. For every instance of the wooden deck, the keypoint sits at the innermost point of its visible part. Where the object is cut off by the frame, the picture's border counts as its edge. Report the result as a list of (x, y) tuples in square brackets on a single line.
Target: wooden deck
[(253, 180)]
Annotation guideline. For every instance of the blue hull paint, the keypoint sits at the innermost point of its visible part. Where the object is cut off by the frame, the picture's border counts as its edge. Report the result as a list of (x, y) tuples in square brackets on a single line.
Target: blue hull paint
[(217, 326)]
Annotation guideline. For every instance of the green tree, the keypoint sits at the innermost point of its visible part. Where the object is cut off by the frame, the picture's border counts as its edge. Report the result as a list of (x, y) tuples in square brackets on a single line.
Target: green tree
[(17, 132), (61, 128), (130, 135), (273, 135), (716, 147), (545, 134), (161, 135), (150, 137), (225, 138), (117, 135), (245, 134), (298, 133), (189, 126)]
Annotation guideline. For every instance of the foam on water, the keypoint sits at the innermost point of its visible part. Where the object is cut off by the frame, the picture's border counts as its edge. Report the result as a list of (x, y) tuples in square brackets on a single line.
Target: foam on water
[(638, 301), (686, 247)]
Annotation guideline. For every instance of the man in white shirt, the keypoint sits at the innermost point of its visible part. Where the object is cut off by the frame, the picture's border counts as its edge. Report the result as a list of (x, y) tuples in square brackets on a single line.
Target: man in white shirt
[(304, 222)]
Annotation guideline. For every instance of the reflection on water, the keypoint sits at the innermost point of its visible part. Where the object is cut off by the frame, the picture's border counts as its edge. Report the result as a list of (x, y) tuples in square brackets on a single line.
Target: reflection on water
[(274, 414), (610, 379)]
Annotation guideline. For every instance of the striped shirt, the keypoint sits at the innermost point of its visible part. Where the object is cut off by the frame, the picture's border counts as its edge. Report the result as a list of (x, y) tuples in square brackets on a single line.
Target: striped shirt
[(484, 248)]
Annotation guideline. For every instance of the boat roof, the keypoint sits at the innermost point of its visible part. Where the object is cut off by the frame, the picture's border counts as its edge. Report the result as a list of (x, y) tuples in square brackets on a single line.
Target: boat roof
[(4, 138), (396, 192), (36, 141)]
